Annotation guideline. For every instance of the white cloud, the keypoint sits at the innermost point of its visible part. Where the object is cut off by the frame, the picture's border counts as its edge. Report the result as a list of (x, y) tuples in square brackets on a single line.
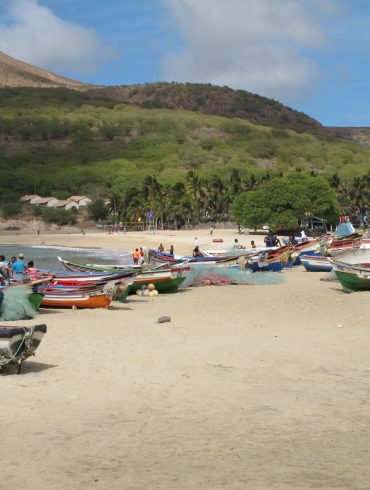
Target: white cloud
[(33, 33), (254, 45)]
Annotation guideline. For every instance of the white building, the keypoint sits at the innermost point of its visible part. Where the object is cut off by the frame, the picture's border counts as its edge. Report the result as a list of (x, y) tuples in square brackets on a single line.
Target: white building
[(80, 200), (47, 202), (31, 199), (66, 204)]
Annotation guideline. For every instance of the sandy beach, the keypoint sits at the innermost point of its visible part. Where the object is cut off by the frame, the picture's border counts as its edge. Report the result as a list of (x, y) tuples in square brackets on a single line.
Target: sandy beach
[(249, 387)]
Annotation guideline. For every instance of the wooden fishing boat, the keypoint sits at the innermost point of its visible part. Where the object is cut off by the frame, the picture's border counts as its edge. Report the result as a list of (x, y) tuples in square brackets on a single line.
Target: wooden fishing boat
[(316, 263), (17, 343), (76, 300), (354, 280), (352, 269), (160, 258), (165, 280), (86, 277)]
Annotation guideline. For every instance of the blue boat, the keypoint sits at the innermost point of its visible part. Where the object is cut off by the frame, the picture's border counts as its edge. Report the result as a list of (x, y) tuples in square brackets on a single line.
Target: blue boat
[(313, 263)]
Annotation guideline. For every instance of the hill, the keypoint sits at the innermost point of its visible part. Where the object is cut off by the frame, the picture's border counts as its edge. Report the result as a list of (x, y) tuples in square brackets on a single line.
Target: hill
[(209, 99), (360, 135), (64, 142), (15, 73)]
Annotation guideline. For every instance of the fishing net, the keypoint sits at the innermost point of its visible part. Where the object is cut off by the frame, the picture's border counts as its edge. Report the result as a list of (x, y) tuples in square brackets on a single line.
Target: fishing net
[(15, 305), (214, 275)]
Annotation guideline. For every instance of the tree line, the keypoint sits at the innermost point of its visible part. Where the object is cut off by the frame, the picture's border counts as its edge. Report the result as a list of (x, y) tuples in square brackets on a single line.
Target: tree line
[(248, 200)]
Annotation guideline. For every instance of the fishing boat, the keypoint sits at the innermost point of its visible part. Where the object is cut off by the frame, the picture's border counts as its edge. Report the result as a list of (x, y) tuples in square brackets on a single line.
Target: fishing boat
[(69, 299), (17, 343), (155, 257), (352, 270), (165, 280), (316, 263)]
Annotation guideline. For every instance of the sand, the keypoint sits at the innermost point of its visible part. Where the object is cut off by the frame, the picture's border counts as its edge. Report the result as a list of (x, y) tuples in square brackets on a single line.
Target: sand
[(248, 387)]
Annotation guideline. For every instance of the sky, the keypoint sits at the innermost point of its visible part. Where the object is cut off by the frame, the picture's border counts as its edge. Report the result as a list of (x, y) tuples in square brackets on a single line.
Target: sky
[(312, 55)]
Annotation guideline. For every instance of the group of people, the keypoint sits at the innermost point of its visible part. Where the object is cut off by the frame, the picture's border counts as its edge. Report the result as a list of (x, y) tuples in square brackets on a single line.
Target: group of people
[(272, 240), (16, 269), (138, 256)]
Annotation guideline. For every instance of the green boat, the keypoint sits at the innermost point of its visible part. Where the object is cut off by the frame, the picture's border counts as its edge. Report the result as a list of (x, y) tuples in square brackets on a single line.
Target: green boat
[(35, 299), (121, 297), (165, 281), (352, 269), (353, 281)]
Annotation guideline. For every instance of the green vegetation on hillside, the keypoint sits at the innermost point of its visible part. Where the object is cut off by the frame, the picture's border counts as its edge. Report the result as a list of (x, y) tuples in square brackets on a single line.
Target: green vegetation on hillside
[(61, 142)]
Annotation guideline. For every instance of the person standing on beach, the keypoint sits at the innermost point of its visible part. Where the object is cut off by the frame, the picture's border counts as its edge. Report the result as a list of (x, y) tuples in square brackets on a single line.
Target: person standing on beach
[(211, 231), (172, 251), (4, 276), (161, 248), (18, 268), (136, 256), (253, 245)]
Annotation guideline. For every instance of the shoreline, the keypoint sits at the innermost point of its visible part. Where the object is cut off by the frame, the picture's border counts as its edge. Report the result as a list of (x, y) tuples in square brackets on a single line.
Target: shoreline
[(183, 240)]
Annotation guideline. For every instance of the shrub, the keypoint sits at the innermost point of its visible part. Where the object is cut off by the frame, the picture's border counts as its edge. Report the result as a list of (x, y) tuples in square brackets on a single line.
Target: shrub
[(58, 216)]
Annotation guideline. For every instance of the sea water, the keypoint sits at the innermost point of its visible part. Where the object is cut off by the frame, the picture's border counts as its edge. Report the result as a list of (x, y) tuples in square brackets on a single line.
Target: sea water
[(46, 257)]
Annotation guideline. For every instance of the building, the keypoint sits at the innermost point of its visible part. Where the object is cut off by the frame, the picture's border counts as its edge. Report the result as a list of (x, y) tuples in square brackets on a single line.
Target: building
[(66, 204), (31, 199), (47, 202), (80, 200)]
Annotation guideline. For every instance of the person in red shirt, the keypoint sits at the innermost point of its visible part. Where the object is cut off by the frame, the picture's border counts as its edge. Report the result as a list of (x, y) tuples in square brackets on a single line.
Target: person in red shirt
[(31, 271)]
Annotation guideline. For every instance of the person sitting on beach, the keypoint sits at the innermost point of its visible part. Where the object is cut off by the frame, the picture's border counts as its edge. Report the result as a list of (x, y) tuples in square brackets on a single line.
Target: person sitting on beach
[(31, 271), (196, 252), (277, 241), (161, 248), (136, 256), (237, 244), (18, 268), (292, 240)]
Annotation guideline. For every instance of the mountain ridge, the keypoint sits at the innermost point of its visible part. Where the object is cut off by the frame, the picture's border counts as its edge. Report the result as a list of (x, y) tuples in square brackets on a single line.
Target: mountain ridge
[(16, 73)]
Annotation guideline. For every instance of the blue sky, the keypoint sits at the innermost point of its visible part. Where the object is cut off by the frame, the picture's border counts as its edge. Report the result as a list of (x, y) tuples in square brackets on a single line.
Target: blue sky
[(313, 55)]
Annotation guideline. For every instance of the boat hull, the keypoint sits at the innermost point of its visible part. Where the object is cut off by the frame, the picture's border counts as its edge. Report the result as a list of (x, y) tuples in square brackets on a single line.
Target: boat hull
[(163, 285), (75, 301), (316, 264), (353, 281), (36, 299), (18, 343)]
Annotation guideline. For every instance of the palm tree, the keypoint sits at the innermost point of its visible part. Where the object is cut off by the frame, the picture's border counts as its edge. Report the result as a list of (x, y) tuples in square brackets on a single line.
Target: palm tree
[(197, 190), (235, 182), (359, 193)]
